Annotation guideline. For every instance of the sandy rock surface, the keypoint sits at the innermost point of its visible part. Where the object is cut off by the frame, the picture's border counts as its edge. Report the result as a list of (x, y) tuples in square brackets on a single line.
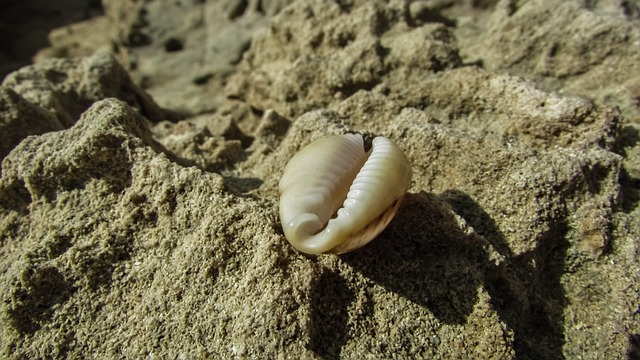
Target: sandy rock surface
[(140, 169)]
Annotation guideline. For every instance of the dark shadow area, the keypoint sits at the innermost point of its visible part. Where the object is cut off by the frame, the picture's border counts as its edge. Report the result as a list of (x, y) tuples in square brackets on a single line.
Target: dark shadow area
[(328, 321), (96, 264), (629, 184), (426, 257), (525, 290), (427, 14), (37, 287), (25, 26), (633, 350), (352, 88), (241, 186), (34, 296), (173, 45), (630, 189)]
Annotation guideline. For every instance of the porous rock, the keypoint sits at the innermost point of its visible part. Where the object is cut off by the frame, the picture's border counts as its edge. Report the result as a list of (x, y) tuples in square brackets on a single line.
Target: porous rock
[(518, 238)]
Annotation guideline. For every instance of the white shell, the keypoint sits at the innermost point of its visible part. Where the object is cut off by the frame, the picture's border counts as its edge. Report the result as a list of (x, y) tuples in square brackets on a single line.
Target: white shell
[(334, 197)]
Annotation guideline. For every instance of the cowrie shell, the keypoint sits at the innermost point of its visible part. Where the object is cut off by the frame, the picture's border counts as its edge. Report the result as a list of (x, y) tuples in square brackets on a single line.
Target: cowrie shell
[(335, 197)]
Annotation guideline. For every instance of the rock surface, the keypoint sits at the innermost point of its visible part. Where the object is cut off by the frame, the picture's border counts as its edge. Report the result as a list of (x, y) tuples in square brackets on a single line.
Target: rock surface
[(130, 229)]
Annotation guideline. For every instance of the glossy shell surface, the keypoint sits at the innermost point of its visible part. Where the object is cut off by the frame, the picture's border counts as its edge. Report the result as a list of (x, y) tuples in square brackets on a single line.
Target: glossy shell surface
[(335, 197)]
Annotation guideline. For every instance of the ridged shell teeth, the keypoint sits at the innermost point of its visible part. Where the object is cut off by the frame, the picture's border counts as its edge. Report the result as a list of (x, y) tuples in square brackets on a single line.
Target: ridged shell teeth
[(334, 197)]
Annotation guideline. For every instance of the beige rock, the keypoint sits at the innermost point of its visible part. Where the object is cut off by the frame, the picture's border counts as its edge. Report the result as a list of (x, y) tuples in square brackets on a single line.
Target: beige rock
[(127, 233)]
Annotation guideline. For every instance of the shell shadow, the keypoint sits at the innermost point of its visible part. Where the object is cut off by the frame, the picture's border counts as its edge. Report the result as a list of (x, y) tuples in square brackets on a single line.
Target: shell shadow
[(629, 184), (425, 257), (430, 256), (329, 325), (525, 289)]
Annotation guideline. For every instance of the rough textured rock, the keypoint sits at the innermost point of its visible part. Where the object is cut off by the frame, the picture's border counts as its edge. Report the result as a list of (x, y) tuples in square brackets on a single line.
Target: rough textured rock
[(20, 118), (52, 95), (126, 233), (181, 50), (67, 87), (586, 48), (373, 47)]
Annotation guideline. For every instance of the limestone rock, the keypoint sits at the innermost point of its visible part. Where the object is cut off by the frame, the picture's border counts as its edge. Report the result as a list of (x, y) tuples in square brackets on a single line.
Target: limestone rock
[(131, 231)]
